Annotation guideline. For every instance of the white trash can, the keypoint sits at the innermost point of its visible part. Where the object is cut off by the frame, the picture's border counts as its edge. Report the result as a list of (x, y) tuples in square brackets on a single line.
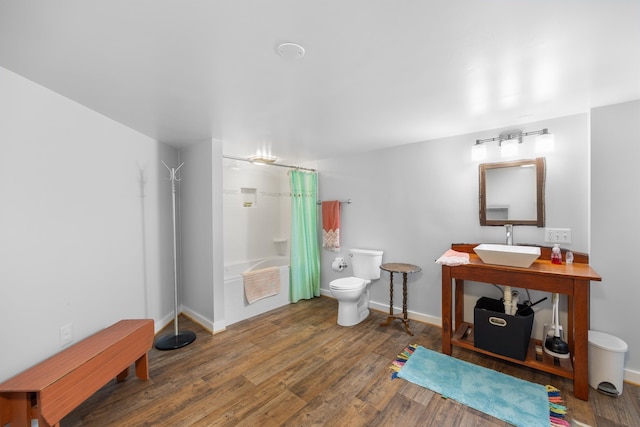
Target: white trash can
[(606, 362)]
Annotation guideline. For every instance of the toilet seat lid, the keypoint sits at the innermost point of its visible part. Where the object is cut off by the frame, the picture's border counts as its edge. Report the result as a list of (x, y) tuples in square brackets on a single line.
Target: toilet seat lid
[(348, 283)]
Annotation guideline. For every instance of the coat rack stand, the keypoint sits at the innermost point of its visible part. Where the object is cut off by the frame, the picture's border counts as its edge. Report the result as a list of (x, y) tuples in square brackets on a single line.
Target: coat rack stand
[(178, 339)]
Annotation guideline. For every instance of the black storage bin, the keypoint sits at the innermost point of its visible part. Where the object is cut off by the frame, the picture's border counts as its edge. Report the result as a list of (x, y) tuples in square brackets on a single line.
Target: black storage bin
[(501, 333)]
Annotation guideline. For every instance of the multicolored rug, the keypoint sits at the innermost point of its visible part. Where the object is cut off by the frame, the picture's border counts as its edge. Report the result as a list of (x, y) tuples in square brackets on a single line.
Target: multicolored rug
[(507, 398)]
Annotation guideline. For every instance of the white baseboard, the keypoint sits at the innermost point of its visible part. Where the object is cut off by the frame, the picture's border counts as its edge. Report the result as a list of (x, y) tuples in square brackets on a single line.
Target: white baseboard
[(326, 293), (193, 315), (163, 323), (632, 377), (219, 327), (413, 315), (384, 307), (198, 318)]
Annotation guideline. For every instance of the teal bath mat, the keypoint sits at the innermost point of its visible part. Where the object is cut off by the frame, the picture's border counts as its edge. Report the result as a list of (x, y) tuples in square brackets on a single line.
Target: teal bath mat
[(507, 398)]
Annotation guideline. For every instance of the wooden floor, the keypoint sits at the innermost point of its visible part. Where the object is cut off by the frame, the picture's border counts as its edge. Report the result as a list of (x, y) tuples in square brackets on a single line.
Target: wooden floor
[(296, 367)]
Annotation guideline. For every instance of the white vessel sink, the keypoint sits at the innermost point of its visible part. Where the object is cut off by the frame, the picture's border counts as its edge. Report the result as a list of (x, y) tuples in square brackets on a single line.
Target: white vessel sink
[(511, 256)]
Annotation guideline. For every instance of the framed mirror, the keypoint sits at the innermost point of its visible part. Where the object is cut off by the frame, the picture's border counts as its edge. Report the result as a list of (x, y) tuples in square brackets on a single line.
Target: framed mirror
[(512, 192)]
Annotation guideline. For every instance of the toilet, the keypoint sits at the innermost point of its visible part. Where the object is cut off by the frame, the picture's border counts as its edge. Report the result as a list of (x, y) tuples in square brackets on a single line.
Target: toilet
[(352, 293)]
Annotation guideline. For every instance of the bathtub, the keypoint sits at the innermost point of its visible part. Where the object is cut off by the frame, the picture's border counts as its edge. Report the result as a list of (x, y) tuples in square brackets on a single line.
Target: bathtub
[(236, 307)]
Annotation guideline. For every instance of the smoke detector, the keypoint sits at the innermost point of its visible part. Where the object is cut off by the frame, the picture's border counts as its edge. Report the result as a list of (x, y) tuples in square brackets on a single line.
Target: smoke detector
[(291, 50)]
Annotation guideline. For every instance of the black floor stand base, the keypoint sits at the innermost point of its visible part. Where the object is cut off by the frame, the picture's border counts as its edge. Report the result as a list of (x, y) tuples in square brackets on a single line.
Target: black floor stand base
[(174, 342)]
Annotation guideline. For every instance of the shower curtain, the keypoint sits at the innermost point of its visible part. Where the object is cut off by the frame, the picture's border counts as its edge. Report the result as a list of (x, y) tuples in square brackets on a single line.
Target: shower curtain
[(305, 254)]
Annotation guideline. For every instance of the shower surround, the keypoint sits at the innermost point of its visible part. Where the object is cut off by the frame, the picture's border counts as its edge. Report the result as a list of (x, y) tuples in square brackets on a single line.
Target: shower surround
[(257, 223)]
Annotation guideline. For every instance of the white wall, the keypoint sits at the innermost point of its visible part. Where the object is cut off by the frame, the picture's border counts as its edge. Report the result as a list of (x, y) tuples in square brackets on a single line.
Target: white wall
[(615, 224), (219, 323), (82, 223), (415, 200), (201, 255)]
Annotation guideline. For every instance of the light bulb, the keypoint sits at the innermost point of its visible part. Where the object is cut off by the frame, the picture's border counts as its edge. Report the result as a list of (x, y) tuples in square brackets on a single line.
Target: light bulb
[(545, 143), (509, 147), (478, 152)]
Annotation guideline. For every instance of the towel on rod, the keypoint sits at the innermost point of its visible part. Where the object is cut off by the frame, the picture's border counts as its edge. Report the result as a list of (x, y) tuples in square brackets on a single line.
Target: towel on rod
[(331, 225), (261, 283)]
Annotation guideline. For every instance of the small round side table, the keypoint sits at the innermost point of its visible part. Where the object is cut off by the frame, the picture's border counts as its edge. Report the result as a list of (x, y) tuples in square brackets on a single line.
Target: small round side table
[(404, 269)]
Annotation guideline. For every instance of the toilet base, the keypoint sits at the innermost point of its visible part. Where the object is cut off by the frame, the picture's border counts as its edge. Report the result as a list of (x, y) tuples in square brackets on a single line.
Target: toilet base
[(353, 304), (350, 316), (350, 313)]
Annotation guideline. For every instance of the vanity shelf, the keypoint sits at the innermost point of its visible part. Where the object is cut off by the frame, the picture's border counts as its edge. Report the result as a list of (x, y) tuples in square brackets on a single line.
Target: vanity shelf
[(544, 362), (572, 280)]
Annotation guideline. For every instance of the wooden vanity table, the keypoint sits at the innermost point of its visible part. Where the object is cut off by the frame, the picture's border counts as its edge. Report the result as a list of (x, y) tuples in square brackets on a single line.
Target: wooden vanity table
[(572, 280)]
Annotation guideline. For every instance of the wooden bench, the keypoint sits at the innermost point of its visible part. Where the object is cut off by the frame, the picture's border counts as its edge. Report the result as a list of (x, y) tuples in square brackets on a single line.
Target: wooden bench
[(51, 389)]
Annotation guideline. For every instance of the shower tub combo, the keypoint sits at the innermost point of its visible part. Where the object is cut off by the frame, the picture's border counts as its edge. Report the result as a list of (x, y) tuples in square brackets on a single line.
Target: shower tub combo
[(236, 306)]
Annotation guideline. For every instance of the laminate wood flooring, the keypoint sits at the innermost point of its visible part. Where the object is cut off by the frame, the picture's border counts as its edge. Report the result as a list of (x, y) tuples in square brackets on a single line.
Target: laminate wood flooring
[(295, 366)]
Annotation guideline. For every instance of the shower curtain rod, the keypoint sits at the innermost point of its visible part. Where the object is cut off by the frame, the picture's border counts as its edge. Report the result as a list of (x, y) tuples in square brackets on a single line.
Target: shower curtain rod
[(242, 159)]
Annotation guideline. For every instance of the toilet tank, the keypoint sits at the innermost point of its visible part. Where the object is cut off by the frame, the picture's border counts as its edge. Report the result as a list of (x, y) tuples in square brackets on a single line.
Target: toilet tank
[(366, 263)]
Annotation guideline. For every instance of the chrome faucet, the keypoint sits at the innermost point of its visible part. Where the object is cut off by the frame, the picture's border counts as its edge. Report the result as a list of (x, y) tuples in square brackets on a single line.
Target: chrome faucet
[(509, 229)]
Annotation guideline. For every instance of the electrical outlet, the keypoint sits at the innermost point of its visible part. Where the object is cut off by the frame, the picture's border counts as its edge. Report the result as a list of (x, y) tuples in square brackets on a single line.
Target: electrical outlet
[(557, 235), (66, 334)]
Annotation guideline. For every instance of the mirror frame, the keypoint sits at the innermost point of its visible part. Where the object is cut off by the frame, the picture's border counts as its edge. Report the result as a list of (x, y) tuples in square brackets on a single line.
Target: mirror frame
[(540, 165)]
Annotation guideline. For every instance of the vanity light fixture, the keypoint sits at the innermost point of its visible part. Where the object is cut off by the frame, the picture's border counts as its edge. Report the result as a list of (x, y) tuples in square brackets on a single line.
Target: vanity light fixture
[(509, 142)]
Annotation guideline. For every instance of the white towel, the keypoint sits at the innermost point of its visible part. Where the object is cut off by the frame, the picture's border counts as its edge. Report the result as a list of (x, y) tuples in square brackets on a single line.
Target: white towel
[(262, 283), (452, 258)]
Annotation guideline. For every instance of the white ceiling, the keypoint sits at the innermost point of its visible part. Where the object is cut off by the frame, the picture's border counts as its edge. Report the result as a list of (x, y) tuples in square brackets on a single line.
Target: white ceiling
[(376, 73)]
